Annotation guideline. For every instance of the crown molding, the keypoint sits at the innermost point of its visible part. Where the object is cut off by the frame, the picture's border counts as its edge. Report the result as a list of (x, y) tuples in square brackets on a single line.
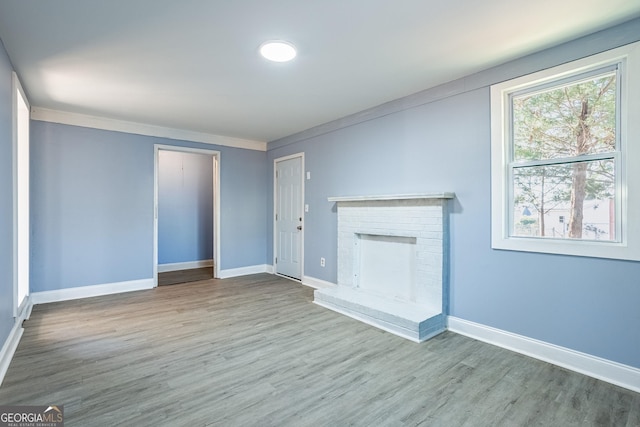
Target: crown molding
[(103, 123)]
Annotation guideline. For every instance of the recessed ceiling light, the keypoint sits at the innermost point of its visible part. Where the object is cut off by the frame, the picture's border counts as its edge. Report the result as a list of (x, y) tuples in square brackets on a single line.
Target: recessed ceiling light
[(278, 51)]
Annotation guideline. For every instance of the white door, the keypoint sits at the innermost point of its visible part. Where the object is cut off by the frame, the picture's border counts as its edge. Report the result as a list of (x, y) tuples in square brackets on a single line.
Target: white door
[(289, 217)]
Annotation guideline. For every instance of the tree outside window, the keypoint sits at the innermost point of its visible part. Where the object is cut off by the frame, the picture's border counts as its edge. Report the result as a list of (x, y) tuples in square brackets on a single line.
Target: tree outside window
[(563, 159)]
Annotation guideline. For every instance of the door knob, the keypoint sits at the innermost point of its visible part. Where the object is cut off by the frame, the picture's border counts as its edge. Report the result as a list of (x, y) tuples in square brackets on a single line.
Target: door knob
[(299, 227)]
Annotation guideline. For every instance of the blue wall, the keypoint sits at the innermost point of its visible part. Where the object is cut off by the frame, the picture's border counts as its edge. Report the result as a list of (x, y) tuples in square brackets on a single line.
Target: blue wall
[(6, 198), (185, 207), (439, 140), (92, 206)]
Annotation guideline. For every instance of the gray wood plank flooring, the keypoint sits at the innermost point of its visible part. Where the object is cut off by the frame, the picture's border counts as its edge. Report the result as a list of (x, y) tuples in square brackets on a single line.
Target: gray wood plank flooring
[(185, 276), (255, 351)]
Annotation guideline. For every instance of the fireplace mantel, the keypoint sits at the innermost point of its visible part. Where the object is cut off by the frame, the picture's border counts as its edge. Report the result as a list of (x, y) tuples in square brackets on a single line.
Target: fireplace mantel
[(392, 262), (445, 195)]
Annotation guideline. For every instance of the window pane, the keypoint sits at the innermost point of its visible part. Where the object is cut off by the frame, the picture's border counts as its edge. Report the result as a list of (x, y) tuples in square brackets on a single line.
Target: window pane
[(566, 121), (566, 201)]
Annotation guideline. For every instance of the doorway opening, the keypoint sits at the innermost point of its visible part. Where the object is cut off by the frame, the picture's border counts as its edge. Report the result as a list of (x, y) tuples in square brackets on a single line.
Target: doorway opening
[(187, 214), (288, 239)]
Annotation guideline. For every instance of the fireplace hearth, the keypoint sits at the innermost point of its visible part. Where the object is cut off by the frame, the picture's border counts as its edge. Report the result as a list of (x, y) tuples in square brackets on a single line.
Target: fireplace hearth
[(392, 263)]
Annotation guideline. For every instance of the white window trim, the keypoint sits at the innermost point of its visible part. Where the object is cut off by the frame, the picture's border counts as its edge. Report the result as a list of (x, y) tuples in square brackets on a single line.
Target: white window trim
[(628, 246)]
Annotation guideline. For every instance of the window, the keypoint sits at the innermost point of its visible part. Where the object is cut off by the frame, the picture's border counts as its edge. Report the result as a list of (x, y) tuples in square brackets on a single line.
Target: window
[(563, 147)]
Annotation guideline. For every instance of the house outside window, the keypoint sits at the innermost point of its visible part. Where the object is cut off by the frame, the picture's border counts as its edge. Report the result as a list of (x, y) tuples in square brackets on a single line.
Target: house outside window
[(564, 150)]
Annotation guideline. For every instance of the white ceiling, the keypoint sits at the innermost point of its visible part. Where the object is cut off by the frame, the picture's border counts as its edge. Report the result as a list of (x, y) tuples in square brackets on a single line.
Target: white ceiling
[(194, 64)]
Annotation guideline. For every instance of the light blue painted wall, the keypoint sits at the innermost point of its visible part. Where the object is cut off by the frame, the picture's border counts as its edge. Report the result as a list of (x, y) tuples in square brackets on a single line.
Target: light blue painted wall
[(92, 206), (6, 198), (244, 195), (443, 144), (185, 207)]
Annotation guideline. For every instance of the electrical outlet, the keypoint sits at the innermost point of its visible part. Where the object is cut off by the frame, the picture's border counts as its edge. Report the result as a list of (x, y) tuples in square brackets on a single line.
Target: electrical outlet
[(322, 262)]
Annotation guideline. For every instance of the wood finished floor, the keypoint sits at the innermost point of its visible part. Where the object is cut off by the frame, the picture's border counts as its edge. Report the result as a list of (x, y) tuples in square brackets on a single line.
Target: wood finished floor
[(255, 351), (184, 276)]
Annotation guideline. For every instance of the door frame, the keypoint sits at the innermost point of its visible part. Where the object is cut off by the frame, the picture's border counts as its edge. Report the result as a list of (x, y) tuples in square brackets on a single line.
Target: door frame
[(275, 207), (216, 202)]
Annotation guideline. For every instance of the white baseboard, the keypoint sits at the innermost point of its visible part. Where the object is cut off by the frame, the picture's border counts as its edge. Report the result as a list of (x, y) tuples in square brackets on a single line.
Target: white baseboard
[(243, 271), (9, 348), (176, 266), (593, 366), (316, 283), (11, 343), (91, 291)]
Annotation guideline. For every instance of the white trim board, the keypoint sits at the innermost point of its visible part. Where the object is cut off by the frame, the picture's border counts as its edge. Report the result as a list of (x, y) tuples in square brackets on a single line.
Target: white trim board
[(11, 343), (414, 196), (9, 349), (95, 122), (177, 266), (45, 297), (244, 271), (312, 282), (596, 367)]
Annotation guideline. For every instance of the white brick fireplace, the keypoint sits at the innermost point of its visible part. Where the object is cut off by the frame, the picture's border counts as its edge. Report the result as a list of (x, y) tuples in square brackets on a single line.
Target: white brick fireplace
[(392, 263)]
